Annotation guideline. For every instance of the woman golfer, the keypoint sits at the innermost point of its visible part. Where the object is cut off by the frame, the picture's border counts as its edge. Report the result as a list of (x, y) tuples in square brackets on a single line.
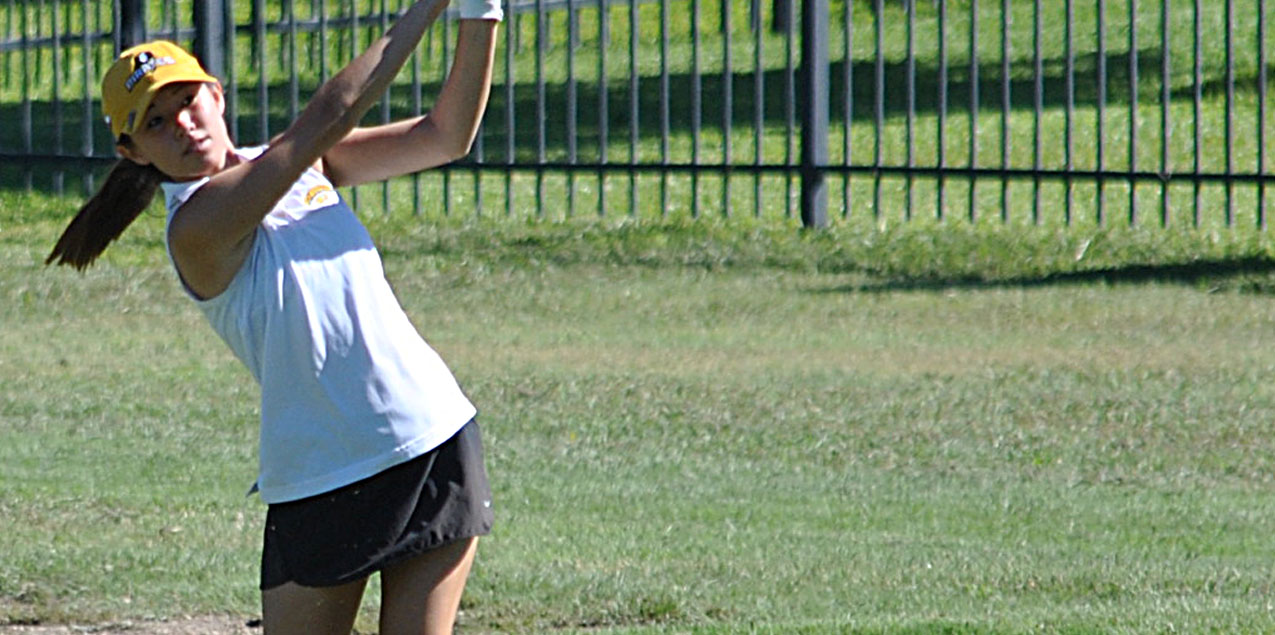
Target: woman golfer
[(369, 457)]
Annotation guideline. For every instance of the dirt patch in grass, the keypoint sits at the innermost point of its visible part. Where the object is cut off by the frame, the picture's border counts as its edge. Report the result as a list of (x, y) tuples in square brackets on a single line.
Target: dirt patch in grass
[(206, 625)]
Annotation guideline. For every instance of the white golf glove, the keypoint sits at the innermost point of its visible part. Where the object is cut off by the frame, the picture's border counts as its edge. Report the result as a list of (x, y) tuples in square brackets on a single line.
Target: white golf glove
[(480, 10)]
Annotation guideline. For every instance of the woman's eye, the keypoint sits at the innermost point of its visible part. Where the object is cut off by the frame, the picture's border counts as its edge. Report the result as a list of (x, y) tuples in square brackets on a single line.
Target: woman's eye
[(154, 122)]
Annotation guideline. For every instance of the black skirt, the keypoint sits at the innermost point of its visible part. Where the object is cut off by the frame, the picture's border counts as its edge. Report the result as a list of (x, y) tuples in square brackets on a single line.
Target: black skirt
[(351, 532)]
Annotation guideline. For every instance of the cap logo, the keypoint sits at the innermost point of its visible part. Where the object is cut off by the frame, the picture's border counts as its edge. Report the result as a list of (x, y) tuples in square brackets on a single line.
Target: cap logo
[(144, 64)]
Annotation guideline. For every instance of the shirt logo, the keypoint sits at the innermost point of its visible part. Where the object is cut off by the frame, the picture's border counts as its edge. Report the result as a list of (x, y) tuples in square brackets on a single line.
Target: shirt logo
[(144, 64), (321, 195)]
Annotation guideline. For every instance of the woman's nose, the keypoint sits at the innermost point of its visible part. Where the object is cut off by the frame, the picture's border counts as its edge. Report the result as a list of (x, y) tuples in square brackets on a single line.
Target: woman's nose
[(184, 120)]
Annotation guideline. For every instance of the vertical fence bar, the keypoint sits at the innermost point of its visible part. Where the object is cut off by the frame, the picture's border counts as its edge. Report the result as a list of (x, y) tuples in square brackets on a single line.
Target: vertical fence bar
[(294, 81), (1166, 128), (1006, 105), (790, 101), (665, 131), (1038, 73), (38, 78), (323, 40), (55, 27), (210, 37), (385, 99), (1230, 112), (444, 66), (515, 25), (1069, 111), (41, 80), (263, 87), (86, 103), (1100, 139), (6, 58), (814, 126), (847, 87), (479, 159), (573, 106), (25, 120), (418, 107), (355, 26), (542, 27), (542, 31), (728, 102), (604, 106), (910, 121), (1133, 110), (511, 146), (573, 16), (634, 92), (167, 20), (101, 59), (971, 211), (132, 23), (355, 46), (231, 76), (1197, 95), (696, 106), (759, 113), (878, 94), (941, 159), (312, 35), (1261, 113)]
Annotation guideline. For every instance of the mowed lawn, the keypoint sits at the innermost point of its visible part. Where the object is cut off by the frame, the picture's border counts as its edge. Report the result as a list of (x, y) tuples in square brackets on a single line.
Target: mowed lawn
[(681, 448), (930, 427)]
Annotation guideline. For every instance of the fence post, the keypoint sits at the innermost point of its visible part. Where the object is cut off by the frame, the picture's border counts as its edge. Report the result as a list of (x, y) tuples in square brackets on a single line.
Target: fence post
[(131, 28), (210, 36), (814, 112), (780, 12)]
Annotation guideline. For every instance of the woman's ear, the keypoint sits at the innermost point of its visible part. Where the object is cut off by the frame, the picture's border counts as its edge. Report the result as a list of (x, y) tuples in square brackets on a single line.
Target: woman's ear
[(218, 94)]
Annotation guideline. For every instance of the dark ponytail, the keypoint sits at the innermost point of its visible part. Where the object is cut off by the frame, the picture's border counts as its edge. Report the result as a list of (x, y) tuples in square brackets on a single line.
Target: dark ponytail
[(128, 190)]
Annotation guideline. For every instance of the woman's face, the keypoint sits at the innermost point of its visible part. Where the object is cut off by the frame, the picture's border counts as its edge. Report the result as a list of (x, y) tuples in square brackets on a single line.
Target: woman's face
[(182, 132)]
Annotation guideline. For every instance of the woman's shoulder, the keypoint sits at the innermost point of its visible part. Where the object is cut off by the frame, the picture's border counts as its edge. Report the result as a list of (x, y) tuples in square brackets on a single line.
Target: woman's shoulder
[(176, 193), (251, 152)]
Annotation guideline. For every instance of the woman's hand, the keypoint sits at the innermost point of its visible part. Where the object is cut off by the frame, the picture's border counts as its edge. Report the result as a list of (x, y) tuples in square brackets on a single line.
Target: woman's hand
[(480, 10)]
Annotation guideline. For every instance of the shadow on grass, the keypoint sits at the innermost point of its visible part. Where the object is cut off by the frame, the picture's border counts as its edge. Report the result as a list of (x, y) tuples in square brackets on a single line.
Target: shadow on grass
[(1250, 275)]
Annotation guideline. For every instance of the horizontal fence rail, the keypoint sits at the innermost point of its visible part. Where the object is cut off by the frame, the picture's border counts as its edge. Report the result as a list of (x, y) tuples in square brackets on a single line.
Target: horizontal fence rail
[(1036, 111)]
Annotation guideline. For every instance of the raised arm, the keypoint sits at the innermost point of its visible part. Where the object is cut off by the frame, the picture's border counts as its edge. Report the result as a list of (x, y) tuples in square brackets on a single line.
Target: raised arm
[(442, 136), (212, 232)]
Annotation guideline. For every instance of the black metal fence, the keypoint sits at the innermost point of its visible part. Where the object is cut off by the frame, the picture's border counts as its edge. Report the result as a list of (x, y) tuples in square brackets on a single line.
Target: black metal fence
[(1035, 110)]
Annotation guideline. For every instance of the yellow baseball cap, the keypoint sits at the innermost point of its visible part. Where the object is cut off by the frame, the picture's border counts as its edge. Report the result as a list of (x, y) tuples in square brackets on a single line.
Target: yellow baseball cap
[(132, 81)]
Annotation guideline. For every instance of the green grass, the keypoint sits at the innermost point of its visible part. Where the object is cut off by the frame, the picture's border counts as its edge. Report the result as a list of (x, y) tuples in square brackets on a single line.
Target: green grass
[(714, 427), (723, 425)]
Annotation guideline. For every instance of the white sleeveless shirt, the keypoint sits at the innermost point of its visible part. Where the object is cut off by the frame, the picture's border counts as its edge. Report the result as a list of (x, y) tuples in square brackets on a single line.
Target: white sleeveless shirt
[(348, 386)]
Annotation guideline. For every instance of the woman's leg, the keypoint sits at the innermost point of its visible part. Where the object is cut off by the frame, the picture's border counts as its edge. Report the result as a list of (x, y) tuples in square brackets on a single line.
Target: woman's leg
[(422, 595), (292, 608)]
